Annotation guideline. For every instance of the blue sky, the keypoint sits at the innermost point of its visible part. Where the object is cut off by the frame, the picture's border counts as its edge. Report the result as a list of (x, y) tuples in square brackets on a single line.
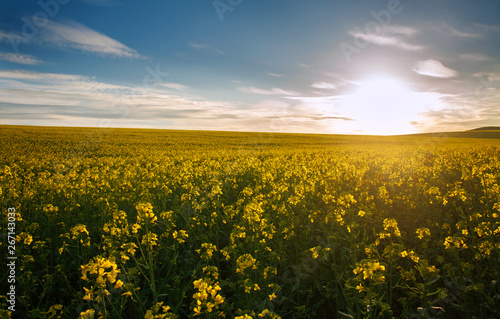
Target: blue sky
[(357, 67)]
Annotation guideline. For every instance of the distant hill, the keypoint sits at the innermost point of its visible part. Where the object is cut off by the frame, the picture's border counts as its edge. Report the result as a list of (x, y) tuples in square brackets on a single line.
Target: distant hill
[(490, 132), (485, 128)]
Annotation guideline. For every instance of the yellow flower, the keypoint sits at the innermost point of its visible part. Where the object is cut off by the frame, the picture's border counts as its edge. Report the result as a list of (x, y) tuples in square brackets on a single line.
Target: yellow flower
[(130, 247), (88, 294), (89, 314), (105, 269), (207, 296), (272, 296), (209, 306), (27, 238), (209, 250), (245, 261), (211, 270), (218, 299), (127, 294), (77, 230), (370, 270), (421, 232), (149, 315), (150, 239), (145, 214), (315, 251), (118, 284), (392, 223), (135, 228), (197, 310), (180, 236)]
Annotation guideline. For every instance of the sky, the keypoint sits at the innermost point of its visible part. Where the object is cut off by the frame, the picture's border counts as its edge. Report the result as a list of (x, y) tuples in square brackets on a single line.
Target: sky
[(339, 67)]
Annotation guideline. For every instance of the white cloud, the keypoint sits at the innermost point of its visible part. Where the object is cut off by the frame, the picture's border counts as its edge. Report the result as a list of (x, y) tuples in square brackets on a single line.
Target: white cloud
[(434, 68), (399, 29), (205, 47), (323, 85), (274, 91), (77, 36), (475, 30), (175, 86), (387, 40), (276, 75), (53, 89), (490, 76), (449, 30), (77, 97), (476, 57), (19, 58), (11, 37), (74, 100), (3, 35), (27, 75)]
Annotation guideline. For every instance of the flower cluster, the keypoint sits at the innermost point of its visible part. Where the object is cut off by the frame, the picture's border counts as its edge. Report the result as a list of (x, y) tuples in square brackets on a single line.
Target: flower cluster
[(159, 311), (370, 270), (101, 271), (208, 297), (180, 236), (208, 251), (244, 262)]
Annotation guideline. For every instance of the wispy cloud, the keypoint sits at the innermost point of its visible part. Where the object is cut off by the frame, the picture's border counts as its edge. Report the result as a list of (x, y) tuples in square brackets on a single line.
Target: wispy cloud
[(274, 91), (10, 37), (434, 68), (389, 36), (37, 76), (323, 85), (77, 97), (175, 86), (23, 87), (74, 35), (449, 30), (318, 117), (476, 57), (3, 36), (276, 75), (206, 48), (74, 100), (399, 29), (19, 58), (490, 76)]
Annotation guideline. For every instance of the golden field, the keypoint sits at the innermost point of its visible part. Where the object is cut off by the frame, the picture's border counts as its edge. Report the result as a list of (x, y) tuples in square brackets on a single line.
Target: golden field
[(129, 223)]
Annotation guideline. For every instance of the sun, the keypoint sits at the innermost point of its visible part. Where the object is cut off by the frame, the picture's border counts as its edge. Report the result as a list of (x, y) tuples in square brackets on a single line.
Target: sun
[(384, 105)]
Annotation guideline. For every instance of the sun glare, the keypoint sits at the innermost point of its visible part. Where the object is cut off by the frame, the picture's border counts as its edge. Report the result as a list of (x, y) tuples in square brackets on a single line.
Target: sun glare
[(383, 105)]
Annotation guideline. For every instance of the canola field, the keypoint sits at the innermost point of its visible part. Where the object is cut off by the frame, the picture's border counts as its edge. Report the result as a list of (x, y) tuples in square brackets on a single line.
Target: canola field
[(128, 223)]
